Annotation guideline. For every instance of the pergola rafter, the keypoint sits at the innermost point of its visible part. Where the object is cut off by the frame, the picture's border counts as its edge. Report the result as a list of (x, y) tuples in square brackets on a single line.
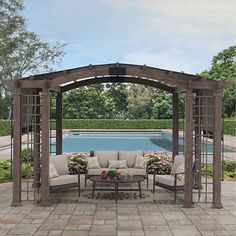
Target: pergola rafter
[(173, 82)]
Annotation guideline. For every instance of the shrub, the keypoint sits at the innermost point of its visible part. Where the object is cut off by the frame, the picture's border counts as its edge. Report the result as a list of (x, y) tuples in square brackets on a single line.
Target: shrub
[(27, 155), (229, 165), (5, 171), (78, 160), (27, 171), (159, 162)]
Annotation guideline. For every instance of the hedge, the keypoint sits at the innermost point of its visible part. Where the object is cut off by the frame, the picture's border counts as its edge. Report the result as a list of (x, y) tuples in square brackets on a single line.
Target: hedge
[(229, 125)]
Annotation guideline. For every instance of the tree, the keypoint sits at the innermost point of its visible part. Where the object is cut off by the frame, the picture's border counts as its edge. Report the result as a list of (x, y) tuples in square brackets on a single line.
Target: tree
[(223, 67), (87, 103), (118, 93), (21, 51), (139, 102)]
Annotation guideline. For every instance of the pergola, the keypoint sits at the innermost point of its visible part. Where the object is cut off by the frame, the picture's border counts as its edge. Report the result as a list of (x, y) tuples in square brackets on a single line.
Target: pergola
[(31, 113)]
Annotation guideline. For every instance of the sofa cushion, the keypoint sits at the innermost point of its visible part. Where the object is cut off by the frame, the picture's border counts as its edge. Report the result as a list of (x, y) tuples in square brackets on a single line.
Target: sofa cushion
[(141, 162), (117, 164), (105, 156), (52, 170), (63, 179), (130, 156), (61, 163), (168, 180), (177, 162), (92, 162)]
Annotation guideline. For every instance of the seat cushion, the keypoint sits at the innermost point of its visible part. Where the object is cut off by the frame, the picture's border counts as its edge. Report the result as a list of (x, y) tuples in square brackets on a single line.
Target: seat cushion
[(132, 171), (177, 162), (168, 180), (105, 156), (96, 171), (63, 180), (61, 163), (130, 156)]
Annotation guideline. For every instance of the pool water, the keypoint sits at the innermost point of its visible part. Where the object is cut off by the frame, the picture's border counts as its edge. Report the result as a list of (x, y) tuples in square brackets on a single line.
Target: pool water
[(147, 141)]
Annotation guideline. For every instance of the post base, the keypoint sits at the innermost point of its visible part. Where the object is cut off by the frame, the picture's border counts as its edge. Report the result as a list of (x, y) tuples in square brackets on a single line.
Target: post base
[(188, 205), (45, 204), (16, 204), (217, 206)]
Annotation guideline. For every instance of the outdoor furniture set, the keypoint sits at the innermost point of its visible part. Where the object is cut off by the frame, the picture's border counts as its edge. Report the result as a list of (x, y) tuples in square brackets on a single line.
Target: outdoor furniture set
[(131, 166)]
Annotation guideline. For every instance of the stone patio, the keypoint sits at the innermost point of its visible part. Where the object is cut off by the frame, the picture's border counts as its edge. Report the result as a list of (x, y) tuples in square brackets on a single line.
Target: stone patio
[(103, 218)]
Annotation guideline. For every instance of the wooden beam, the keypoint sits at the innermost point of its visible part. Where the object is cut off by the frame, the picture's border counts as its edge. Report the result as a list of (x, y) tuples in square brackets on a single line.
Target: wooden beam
[(45, 147), (188, 149), (16, 148), (217, 149), (119, 79), (175, 125), (59, 123)]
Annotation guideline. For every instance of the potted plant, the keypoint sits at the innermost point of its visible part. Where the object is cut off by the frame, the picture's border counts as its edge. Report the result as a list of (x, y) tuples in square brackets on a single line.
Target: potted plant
[(112, 173)]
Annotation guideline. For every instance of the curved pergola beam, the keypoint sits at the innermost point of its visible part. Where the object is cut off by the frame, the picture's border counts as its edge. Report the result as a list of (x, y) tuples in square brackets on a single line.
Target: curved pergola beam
[(119, 79)]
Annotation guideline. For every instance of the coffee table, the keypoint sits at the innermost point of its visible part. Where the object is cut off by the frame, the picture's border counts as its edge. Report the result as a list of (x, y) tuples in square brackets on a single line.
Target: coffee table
[(117, 182)]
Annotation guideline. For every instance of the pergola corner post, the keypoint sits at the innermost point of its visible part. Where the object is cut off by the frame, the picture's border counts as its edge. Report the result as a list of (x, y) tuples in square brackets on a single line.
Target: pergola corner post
[(16, 147), (175, 125), (217, 94), (188, 149), (59, 123), (45, 147)]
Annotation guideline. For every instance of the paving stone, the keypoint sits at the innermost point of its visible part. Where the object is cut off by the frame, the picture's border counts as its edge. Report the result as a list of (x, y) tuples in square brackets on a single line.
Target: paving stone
[(75, 233), (64, 209), (38, 214), (102, 230), (156, 228), (129, 225), (225, 219), (24, 229), (4, 232), (12, 218), (98, 222), (110, 222), (80, 220), (208, 225), (153, 220), (105, 215), (123, 233), (42, 232), (54, 224), (84, 227), (158, 233), (55, 232), (184, 230), (8, 226), (221, 233)]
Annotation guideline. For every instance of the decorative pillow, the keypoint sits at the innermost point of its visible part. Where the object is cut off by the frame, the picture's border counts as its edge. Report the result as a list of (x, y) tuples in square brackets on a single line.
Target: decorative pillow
[(52, 171), (92, 163), (140, 162), (180, 169), (118, 164)]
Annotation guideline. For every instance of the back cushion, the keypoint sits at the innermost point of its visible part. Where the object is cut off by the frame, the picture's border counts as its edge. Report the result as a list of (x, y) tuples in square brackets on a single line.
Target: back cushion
[(130, 156), (105, 156), (177, 162), (61, 163)]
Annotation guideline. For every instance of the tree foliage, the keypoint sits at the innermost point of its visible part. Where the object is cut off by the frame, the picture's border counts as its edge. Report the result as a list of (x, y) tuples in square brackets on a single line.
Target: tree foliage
[(22, 51), (223, 67)]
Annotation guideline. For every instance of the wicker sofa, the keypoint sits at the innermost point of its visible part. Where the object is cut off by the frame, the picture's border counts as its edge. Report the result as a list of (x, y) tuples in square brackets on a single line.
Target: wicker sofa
[(129, 156)]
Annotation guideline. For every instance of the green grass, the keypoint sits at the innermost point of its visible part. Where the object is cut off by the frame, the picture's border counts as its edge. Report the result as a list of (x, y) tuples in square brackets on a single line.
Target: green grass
[(229, 125)]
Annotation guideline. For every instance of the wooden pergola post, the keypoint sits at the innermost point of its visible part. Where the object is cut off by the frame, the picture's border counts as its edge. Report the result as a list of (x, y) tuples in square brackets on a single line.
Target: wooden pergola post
[(37, 140), (175, 125), (217, 149), (188, 149), (16, 148), (45, 147), (59, 125)]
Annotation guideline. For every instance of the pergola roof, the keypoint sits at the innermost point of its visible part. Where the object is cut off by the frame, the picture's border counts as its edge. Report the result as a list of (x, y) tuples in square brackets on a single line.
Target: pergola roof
[(167, 80)]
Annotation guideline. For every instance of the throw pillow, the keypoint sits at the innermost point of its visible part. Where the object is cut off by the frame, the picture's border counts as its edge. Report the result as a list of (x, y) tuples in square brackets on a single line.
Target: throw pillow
[(92, 163), (180, 169), (52, 171), (118, 164), (140, 162)]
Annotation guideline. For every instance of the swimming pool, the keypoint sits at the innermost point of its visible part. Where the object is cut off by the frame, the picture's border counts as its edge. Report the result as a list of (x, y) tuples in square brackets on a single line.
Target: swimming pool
[(87, 141)]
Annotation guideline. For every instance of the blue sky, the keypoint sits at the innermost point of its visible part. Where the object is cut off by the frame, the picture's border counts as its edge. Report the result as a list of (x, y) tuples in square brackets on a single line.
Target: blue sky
[(181, 35)]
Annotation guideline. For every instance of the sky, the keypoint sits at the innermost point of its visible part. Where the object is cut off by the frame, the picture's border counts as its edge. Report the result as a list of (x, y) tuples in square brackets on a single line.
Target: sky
[(179, 35)]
